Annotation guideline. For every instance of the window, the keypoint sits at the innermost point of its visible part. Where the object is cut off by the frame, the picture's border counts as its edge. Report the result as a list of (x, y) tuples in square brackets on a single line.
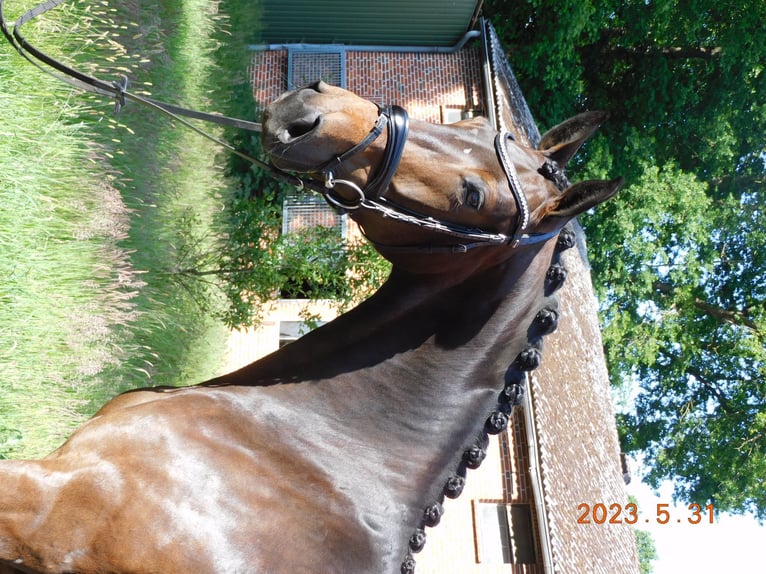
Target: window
[(300, 211), (290, 331), (308, 64), (503, 533), (450, 114)]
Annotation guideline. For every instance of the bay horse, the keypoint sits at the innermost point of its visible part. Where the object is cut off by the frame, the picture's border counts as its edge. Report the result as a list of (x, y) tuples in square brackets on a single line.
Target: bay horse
[(333, 454)]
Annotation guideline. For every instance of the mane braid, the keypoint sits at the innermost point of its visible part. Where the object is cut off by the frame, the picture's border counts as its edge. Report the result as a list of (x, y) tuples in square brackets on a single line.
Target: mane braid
[(512, 395)]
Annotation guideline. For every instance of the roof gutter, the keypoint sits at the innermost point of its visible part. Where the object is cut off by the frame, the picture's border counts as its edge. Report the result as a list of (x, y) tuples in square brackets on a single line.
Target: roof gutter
[(536, 479), (470, 34), (489, 83)]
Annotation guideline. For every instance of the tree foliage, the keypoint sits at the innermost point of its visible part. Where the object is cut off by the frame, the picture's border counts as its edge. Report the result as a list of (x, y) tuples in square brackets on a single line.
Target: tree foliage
[(258, 263), (647, 549), (678, 257)]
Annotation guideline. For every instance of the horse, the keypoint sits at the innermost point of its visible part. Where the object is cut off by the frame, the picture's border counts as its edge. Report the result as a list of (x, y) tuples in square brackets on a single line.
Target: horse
[(335, 453)]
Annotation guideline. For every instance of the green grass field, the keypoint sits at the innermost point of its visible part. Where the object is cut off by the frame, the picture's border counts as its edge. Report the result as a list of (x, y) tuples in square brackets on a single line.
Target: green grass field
[(95, 213)]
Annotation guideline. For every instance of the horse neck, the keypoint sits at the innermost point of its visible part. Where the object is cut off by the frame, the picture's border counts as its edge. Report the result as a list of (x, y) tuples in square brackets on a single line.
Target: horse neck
[(421, 347), (387, 397)]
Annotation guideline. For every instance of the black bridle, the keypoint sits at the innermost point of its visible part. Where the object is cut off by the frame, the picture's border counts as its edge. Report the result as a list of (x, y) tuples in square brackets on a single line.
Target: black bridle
[(398, 122), (371, 198)]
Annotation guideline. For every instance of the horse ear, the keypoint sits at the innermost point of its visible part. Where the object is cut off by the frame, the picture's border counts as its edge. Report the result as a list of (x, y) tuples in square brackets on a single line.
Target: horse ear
[(561, 142), (581, 197)]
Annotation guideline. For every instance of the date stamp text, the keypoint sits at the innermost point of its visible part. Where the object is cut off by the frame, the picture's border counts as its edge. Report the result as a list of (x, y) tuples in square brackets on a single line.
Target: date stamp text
[(600, 513)]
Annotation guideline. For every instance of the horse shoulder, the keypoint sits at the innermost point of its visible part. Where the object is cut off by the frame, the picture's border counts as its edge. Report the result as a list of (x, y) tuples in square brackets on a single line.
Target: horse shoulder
[(188, 473)]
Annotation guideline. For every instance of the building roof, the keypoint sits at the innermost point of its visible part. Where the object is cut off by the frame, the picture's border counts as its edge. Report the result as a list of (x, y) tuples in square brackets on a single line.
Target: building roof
[(384, 22), (579, 454), (573, 418)]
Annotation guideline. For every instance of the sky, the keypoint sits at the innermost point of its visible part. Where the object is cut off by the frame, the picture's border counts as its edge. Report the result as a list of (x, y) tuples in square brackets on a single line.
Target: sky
[(730, 544)]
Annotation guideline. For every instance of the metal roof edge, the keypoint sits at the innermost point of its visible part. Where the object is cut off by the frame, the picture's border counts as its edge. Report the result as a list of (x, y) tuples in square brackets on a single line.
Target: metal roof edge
[(536, 479), (464, 39)]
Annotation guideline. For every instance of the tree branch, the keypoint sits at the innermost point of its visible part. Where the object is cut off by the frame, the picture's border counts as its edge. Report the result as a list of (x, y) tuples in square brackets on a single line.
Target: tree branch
[(751, 442), (734, 317), (740, 317), (673, 52), (704, 381), (738, 181), (700, 376)]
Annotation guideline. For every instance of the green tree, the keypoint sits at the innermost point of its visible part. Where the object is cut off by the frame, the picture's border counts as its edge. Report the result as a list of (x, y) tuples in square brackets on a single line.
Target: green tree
[(249, 261), (257, 262), (647, 551), (678, 257)]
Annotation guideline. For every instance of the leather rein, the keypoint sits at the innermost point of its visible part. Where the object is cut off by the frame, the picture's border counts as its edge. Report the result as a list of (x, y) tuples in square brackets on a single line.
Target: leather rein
[(371, 198)]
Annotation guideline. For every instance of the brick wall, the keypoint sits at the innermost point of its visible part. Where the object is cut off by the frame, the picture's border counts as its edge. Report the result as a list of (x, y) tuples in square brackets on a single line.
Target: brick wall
[(502, 478), (268, 74), (423, 84)]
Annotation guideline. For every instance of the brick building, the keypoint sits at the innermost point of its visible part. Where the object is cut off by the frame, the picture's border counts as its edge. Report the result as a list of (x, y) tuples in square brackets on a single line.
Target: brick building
[(519, 512)]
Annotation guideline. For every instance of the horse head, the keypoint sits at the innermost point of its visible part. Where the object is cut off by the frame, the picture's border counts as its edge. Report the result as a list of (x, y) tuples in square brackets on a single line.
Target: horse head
[(448, 189)]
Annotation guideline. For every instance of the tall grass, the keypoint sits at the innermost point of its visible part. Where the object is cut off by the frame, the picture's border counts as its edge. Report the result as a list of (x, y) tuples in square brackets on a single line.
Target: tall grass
[(95, 213)]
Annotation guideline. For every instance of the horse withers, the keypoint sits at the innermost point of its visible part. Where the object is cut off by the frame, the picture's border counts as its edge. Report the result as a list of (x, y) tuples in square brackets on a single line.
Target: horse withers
[(333, 454)]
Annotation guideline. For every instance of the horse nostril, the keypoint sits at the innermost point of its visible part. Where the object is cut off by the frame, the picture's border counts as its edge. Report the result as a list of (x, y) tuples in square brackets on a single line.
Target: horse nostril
[(302, 127)]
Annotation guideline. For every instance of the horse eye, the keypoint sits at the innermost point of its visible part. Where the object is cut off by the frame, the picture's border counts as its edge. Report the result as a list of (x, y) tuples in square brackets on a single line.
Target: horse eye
[(473, 196)]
